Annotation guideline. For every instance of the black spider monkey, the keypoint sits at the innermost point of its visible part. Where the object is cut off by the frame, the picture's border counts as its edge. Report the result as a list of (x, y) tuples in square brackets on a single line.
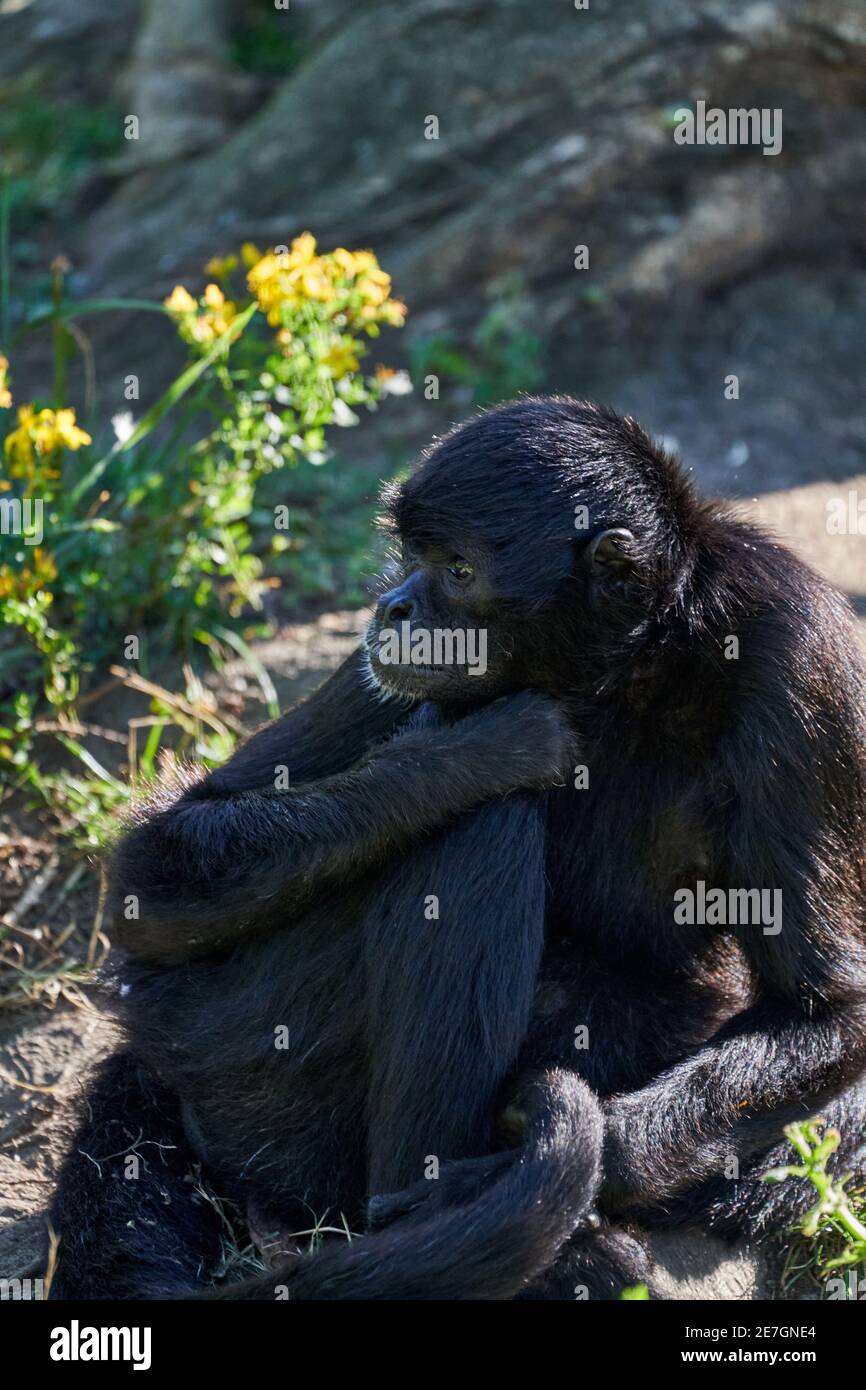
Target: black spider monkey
[(670, 700)]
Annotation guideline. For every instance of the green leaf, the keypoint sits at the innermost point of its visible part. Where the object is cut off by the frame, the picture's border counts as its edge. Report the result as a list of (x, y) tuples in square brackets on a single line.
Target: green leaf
[(72, 746), (86, 307), (243, 649), (166, 402)]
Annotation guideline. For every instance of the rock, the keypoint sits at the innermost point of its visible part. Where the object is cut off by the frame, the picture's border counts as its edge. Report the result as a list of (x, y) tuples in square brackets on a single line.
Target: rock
[(692, 1265), (549, 134), (703, 261), (65, 50), (177, 81)]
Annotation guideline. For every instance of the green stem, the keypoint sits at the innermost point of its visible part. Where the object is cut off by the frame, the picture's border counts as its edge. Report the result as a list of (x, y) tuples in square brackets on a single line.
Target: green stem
[(849, 1222), (58, 332), (166, 402), (87, 307), (4, 256)]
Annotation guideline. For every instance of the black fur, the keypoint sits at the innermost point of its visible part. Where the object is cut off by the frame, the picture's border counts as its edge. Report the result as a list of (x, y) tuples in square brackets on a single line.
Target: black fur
[(150, 1235), (408, 1032)]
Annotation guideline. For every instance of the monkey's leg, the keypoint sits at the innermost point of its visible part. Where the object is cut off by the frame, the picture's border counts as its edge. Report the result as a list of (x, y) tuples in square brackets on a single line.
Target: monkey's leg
[(453, 947), (130, 1222), (490, 1247)]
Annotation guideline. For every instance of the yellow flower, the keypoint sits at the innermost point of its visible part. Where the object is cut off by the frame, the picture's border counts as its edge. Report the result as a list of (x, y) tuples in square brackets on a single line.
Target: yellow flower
[(344, 260), (340, 359), (315, 283), (220, 266), (213, 297), (303, 249), (250, 253), (180, 301), (284, 280), (19, 443), (393, 312), (374, 287), (43, 564), (202, 330), (364, 260), (363, 264), (66, 431), (26, 581), (351, 283), (219, 315), (202, 323), (5, 393), (264, 282), (44, 433)]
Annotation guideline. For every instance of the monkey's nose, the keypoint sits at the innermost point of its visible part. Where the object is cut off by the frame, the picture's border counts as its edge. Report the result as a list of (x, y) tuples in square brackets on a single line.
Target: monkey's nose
[(399, 610), (398, 604)]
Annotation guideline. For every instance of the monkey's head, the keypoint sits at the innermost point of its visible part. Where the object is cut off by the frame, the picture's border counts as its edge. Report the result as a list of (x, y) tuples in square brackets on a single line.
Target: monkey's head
[(530, 543)]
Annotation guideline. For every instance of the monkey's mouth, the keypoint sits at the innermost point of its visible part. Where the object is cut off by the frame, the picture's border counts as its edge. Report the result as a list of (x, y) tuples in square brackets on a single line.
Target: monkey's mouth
[(435, 670), (413, 678), (404, 675)]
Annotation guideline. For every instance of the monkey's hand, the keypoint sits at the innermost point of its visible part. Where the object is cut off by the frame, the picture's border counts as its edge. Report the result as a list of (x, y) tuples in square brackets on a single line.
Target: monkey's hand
[(526, 737)]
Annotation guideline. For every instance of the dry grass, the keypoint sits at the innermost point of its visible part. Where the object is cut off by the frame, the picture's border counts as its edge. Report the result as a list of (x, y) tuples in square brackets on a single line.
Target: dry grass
[(51, 936)]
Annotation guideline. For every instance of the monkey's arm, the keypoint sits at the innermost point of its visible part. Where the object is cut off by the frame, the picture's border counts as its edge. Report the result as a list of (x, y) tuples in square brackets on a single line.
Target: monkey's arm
[(453, 941), (773, 1064), (235, 858), (804, 1039)]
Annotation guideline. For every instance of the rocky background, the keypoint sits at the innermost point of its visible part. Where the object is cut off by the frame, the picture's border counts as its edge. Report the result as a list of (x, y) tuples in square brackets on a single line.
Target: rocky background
[(555, 129)]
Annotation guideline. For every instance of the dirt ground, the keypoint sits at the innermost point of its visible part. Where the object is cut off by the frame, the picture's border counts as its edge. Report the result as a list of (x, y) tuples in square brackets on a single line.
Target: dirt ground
[(46, 1052)]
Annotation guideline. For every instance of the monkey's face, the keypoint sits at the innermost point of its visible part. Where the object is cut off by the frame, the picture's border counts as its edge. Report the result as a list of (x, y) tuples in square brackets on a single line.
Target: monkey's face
[(530, 543), (439, 631)]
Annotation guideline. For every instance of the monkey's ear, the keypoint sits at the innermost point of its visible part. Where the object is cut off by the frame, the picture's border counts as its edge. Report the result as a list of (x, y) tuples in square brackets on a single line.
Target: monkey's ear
[(611, 551)]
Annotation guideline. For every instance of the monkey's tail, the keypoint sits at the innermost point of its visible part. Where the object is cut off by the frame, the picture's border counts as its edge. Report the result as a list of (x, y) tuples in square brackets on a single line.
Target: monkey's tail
[(489, 1247)]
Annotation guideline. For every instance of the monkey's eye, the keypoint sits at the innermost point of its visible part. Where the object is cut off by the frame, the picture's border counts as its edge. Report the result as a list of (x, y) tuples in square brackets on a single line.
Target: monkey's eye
[(461, 569)]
